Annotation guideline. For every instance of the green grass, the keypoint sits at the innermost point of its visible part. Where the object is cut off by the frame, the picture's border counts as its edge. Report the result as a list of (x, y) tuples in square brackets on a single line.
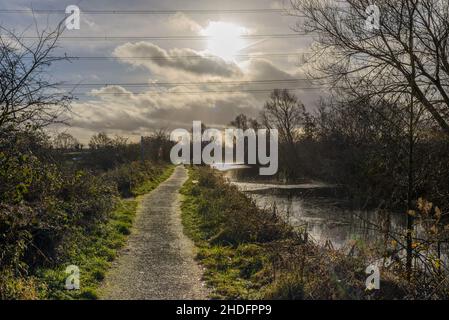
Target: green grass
[(232, 271), (94, 252), (151, 184)]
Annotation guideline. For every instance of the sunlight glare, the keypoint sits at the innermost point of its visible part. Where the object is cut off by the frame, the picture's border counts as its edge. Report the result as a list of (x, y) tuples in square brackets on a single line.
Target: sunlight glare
[(225, 39)]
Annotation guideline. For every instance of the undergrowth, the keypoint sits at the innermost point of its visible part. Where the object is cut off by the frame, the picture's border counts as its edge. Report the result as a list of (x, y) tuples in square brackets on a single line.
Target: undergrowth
[(93, 252)]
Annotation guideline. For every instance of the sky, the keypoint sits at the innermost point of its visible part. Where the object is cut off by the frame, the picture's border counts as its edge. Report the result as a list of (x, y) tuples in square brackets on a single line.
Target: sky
[(165, 69)]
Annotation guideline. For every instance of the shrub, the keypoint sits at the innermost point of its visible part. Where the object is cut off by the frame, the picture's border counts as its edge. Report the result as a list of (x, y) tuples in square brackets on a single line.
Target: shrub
[(129, 177), (17, 287), (230, 217)]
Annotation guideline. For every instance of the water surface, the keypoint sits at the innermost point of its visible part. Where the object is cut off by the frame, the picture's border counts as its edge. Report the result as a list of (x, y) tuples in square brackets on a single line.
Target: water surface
[(326, 218)]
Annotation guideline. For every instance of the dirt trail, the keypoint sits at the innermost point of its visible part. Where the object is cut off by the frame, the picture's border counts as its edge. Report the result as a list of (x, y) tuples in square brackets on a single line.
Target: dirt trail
[(158, 261)]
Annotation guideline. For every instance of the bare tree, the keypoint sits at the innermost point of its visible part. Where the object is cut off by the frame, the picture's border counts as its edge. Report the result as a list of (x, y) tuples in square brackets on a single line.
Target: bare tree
[(284, 112), (407, 54), (100, 141), (402, 60), (157, 145), (65, 141), (27, 95), (244, 122)]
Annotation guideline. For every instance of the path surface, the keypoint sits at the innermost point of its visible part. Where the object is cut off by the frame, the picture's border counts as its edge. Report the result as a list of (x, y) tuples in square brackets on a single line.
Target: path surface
[(158, 261)]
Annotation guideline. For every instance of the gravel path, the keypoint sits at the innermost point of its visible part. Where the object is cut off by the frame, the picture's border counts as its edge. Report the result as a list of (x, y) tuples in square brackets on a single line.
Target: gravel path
[(158, 261)]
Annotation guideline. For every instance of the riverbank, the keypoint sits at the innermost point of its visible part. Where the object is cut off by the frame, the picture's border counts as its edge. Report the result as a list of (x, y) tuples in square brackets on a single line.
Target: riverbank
[(250, 253)]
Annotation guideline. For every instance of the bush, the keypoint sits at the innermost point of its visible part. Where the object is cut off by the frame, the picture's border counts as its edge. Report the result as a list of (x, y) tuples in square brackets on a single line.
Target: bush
[(88, 234), (288, 287), (230, 217), (17, 287), (232, 233), (52, 211), (129, 177)]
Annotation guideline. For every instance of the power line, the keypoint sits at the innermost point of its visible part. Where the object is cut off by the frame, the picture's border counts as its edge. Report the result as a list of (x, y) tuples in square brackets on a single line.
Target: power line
[(149, 12), (172, 38), (163, 58), (191, 92), (137, 84)]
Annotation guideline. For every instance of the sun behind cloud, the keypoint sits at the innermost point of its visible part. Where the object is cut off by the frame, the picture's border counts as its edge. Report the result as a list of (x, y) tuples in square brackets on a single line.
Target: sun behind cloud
[(225, 39)]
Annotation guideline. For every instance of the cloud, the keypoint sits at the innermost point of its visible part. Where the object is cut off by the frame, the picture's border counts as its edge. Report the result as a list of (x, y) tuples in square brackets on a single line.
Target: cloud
[(181, 22), (278, 4), (113, 92), (107, 115), (261, 69), (128, 112), (119, 110), (178, 60)]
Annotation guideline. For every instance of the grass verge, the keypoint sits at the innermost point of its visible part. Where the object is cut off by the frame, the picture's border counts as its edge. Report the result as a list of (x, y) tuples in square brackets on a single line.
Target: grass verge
[(237, 265)]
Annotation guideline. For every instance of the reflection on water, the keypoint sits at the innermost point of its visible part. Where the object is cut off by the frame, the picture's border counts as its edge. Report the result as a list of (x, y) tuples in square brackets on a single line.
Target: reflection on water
[(259, 187), (325, 218), (221, 166), (318, 208)]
